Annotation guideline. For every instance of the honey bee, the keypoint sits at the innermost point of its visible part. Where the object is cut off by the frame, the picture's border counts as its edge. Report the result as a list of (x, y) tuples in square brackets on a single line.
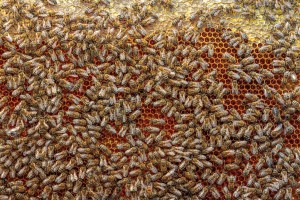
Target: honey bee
[(280, 51), (4, 100), (46, 192), (158, 103), (59, 187), (178, 21), (227, 153), (210, 52), (212, 178), (235, 89), (215, 193), (288, 127), (233, 75), (231, 182), (288, 193), (276, 114), (110, 129), (152, 129), (197, 188), (266, 48), (279, 70), (200, 22), (77, 186), (278, 63), (130, 151), (136, 172), (161, 90), (248, 168), (266, 73), (279, 194), (194, 15), (104, 149), (196, 75), (50, 179), (231, 166), (204, 192), (198, 163), (204, 65), (235, 41), (216, 160), (206, 173), (242, 50)]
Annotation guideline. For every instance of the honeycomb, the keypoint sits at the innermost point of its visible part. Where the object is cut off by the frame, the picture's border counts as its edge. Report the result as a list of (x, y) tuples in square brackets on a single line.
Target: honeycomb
[(101, 105)]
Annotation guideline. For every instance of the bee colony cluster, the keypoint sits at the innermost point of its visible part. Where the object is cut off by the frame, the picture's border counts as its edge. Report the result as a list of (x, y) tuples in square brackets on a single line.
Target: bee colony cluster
[(96, 106)]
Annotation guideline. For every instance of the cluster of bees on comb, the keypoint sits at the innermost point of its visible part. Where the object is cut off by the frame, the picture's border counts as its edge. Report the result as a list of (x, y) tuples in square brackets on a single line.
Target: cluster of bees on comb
[(96, 106)]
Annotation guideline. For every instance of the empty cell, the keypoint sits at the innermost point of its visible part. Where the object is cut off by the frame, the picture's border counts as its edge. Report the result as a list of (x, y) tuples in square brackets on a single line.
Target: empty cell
[(151, 42), (230, 96), (156, 115), (289, 145), (140, 121), (150, 115), (201, 39), (262, 61), (211, 60), (268, 62), (240, 107), (214, 66), (204, 55), (5, 93), (227, 101), (167, 126), (278, 82), (146, 121)]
